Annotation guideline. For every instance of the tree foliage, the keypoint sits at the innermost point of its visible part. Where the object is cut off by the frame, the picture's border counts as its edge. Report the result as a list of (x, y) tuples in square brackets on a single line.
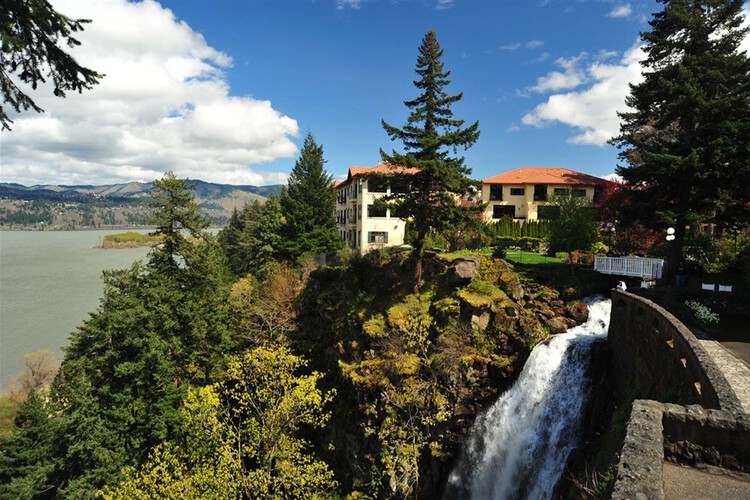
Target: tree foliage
[(684, 143), (429, 137), (252, 240), (574, 227), (159, 328), (241, 437), (32, 33), (307, 206)]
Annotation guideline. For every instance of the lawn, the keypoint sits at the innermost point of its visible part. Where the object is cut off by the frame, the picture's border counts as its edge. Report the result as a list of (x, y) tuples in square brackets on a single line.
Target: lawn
[(524, 257)]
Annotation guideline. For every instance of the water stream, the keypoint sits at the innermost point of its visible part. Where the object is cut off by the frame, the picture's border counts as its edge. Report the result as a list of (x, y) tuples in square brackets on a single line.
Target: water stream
[(518, 448)]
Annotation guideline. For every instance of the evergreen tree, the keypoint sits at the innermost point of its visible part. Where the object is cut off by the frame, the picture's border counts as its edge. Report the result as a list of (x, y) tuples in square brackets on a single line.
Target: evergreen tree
[(685, 141), (159, 327), (429, 136), (176, 217), (31, 34), (307, 205)]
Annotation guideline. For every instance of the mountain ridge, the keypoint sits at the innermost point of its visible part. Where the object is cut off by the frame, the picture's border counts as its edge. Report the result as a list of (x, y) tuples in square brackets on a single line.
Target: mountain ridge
[(84, 206)]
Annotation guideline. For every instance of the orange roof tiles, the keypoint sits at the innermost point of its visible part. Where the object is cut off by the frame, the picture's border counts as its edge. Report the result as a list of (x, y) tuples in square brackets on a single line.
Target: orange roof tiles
[(383, 168), (545, 175)]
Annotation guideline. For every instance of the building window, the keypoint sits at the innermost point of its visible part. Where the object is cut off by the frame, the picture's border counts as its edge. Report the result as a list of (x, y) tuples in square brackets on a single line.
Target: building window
[(560, 191), (359, 211), (578, 193), (518, 191), (548, 212), (540, 192), (373, 211), (496, 192), (500, 211), (377, 185), (377, 237), (399, 186), (400, 212)]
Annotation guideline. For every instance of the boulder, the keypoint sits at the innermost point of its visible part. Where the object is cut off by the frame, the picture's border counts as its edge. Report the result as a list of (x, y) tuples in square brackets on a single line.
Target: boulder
[(569, 294), (480, 319), (579, 312), (547, 312), (556, 325), (463, 269)]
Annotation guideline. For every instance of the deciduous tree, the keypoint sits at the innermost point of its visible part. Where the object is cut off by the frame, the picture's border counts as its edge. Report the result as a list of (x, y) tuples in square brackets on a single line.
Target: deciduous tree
[(573, 228), (429, 137)]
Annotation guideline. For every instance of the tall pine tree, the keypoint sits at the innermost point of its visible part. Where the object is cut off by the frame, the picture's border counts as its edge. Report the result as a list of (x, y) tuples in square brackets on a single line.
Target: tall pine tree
[(685, 142), (429, 137), (307, 205)]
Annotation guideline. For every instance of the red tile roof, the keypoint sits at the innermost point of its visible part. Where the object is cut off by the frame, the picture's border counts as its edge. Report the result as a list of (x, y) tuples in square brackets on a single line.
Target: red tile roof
[(383, 168), (545, 175)]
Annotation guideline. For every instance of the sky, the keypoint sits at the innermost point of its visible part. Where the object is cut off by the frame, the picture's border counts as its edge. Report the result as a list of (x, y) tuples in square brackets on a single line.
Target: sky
[(226, 90)]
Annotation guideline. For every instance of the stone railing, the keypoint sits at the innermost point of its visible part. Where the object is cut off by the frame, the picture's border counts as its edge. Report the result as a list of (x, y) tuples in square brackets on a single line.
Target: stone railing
[(654, 352), (657, 356), (658, 431)]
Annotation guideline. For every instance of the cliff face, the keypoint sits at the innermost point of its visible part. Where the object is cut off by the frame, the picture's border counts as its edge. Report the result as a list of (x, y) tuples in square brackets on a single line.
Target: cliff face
[(412, 371)]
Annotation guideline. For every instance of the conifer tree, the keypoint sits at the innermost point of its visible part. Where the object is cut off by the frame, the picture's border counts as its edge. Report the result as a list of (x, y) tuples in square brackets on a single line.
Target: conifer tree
[(159, 327), (429, 136), (684, 143), (307, 205)]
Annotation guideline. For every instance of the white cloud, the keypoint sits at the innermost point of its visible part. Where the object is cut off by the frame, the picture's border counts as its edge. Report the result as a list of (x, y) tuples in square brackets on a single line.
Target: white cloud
[(352, 4), (511, 47), (164, 104), (571, 77), (443, 4), (593, 110), (534, 44), (621, 11)]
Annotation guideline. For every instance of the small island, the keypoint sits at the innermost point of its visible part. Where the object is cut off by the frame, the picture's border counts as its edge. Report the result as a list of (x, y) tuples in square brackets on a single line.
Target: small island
[(131, 239)]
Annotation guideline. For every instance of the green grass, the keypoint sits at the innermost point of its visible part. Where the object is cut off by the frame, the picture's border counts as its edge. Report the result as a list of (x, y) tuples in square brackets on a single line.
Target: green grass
[(532, 258), (129, 239)]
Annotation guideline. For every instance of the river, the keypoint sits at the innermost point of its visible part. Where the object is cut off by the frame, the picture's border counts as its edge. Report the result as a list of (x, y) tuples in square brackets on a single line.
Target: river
[(49, 283)]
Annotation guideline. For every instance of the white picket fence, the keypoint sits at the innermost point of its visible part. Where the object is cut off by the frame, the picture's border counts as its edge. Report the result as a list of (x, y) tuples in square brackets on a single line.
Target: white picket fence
[(630, 266)]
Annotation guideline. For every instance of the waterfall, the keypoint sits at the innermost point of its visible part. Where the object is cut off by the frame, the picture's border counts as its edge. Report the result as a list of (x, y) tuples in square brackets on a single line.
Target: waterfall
[(518, 448)]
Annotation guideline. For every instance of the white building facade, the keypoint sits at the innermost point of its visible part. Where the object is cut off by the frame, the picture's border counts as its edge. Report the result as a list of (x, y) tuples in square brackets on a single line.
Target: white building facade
[(524, 193), (361, 224)]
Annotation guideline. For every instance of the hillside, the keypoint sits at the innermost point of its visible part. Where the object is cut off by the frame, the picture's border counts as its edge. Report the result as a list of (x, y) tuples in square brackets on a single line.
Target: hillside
[(116, 205)]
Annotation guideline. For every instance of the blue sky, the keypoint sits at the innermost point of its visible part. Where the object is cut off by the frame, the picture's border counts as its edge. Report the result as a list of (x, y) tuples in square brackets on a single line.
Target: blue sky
[(226, 90)]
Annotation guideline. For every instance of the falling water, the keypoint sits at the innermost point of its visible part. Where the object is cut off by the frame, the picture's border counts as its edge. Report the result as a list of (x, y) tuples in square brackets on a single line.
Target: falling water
[(518, 448)]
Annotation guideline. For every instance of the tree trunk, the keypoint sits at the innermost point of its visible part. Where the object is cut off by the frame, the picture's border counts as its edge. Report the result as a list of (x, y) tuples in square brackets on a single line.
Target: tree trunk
[(418, 258)]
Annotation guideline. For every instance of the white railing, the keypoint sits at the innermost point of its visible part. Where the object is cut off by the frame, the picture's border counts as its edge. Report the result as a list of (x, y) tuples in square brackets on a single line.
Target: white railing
[(630, 266)]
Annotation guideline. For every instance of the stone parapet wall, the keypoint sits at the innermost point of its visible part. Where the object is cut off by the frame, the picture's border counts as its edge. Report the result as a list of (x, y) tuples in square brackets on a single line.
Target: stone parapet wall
[(655, 353), (685, 434)]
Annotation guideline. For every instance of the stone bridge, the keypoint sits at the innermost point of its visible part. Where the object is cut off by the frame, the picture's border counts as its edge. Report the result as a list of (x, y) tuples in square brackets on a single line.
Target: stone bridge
[(687, 408)]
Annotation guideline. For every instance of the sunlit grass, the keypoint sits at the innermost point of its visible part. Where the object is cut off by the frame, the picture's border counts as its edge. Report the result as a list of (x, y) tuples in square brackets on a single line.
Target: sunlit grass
[(524, 257)]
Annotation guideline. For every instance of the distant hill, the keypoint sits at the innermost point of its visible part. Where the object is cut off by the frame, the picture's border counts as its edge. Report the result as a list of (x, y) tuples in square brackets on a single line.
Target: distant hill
[(113, 205)]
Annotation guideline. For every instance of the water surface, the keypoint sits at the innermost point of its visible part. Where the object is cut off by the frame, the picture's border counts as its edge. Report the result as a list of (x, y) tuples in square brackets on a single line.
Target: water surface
[(49, 282)]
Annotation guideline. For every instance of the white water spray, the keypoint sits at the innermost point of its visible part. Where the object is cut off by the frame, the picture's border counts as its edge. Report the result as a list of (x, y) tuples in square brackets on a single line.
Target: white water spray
[(518, 448)]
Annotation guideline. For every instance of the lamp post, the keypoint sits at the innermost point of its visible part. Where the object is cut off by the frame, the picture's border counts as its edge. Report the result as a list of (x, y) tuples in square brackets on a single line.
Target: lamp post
[(670, 238)]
